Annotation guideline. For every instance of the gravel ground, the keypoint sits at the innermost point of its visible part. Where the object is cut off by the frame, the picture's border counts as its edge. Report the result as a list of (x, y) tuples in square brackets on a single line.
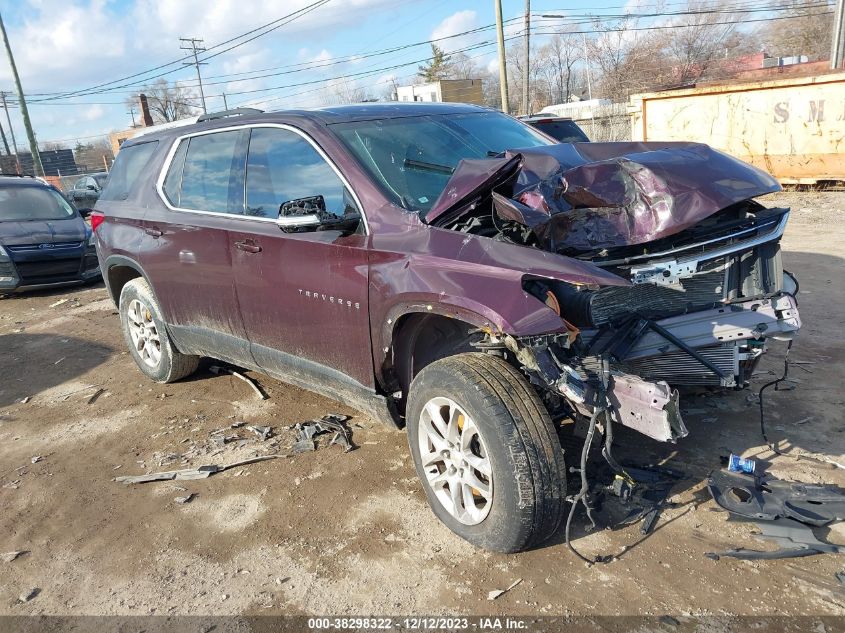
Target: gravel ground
[(329, 532)]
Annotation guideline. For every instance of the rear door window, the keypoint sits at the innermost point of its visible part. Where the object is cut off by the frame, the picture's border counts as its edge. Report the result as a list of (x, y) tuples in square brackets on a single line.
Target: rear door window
[(564, 131), (285, 168), (128, 166), (212, 175)]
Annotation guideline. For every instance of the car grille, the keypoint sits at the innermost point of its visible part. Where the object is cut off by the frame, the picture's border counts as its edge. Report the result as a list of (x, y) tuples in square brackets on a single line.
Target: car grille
[(48, 271), (35, 248)]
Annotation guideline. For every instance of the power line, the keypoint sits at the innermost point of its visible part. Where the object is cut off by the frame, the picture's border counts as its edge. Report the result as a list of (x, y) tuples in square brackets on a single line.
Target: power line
[(195, 46), (744, 7), (290, 17)]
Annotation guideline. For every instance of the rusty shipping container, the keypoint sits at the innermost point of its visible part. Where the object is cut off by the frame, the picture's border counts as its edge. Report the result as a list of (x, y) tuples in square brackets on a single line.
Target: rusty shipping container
[(794, 128)]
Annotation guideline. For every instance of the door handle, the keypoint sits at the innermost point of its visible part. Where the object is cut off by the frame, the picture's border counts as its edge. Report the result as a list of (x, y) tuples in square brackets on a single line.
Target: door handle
[(248, 246), (153, 232)]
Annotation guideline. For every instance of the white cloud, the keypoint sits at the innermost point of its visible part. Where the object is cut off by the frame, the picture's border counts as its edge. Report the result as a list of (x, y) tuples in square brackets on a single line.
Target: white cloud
[(322, 56), (456, 23), (94, 113)]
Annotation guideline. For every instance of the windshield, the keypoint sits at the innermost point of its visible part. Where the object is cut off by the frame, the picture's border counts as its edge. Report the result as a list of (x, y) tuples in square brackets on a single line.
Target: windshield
[(101, 180), (413, 158), (33, 203), (564, 131)]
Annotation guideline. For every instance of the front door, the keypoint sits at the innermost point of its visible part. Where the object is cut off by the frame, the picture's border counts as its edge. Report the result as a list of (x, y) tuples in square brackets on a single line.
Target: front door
[(303, 294), (186, 245)]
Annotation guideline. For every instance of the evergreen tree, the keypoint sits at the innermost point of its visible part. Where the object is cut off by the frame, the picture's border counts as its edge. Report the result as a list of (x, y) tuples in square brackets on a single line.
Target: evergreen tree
[(438, 67)]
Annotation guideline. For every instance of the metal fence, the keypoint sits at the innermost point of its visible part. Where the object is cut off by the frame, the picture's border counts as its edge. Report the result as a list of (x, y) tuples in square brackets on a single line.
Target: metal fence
[(607, 123)]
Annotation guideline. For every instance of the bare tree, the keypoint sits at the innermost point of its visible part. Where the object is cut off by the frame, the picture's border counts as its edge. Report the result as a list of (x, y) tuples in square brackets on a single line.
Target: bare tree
[(539, 96), (699, 40), (167, 101), (807, 32), (94, 155), (50, 146), (628, 60), (339, 91), (556, 63), (462, 66)]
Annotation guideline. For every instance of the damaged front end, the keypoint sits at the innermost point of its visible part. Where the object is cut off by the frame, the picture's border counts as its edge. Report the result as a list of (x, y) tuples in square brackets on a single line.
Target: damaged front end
[(679, 223)]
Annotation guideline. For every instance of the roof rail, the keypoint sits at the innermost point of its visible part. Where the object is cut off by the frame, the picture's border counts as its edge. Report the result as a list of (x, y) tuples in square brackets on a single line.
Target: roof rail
[(223, 114)]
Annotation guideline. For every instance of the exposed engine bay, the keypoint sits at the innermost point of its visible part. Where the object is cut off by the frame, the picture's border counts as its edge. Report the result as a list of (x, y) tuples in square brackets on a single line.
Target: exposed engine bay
[(678, 222)]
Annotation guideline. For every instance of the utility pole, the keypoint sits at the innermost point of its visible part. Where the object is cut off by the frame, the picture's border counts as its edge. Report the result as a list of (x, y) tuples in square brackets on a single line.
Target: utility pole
[(132, 113), (225, 104), (837, 54), (33, 146), (503, 70), (11, 130), (525, 74), (195, 46)]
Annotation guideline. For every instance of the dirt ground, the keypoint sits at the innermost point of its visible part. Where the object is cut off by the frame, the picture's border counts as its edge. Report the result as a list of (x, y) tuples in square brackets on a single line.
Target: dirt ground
[(350, 533)]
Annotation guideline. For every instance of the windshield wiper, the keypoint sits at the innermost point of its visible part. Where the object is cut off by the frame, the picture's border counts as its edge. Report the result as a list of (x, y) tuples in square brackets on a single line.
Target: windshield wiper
[(433, 167)]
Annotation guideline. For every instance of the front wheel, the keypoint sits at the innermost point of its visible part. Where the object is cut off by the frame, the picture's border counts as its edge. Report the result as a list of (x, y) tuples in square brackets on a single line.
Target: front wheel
[(487, 453)]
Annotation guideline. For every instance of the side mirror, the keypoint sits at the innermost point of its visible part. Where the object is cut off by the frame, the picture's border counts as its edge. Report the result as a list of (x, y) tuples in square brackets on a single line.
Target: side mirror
[(310, 214), (85, 212), (91, 187), (299, 221)]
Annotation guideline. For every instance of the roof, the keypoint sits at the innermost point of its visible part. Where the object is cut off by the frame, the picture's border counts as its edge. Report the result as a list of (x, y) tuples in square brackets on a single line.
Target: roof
[(329, 115), (543, 117), (382, 110), (11, 179)]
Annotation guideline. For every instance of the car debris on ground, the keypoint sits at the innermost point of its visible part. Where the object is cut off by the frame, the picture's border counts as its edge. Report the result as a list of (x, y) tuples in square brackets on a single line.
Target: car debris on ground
[(94, 396), (332, 423), (264, 432), (8, 557), (201, 472), (186, 499), (785, 512), (492, 595), (29, 595), (217, 369)]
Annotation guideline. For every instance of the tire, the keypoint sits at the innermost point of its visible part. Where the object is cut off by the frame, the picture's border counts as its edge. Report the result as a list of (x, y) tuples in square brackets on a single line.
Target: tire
[(522, 502), (146, 335)]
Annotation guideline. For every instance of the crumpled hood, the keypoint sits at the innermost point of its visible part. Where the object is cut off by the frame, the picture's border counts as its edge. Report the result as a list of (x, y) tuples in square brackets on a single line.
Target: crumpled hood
[(584, 196)]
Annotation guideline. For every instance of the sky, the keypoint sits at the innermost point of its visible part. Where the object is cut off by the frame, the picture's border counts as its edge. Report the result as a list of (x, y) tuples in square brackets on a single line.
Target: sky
[(67, 45)]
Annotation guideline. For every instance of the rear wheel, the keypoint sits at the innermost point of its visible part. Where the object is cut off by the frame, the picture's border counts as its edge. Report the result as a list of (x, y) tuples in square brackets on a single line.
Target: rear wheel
[(147, 338), (487, 453)]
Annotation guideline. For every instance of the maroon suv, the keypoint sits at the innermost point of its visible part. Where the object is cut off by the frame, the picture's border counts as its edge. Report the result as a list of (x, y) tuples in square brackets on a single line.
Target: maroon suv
[(449, 269)]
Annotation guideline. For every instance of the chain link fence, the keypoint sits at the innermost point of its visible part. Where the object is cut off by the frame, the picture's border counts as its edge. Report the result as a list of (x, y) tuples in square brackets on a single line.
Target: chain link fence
[(608, 123)]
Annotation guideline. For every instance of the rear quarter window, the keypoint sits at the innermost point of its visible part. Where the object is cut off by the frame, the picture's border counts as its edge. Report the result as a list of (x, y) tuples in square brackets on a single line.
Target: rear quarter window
[(128, 167)]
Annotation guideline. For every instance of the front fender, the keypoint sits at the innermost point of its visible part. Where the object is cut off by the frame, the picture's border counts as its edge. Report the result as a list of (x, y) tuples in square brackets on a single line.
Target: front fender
[(488, 297)]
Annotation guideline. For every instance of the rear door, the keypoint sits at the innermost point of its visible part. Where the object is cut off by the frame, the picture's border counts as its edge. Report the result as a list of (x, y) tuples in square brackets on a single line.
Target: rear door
[(185, 249), (302, 294)]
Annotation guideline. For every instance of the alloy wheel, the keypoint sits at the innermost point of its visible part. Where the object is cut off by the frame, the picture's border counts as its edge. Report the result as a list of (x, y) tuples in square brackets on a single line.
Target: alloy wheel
[(455, 460), (144, 333)]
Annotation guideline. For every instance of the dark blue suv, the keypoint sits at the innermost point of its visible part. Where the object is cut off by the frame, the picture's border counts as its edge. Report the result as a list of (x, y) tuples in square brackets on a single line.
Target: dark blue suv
[(44, 241)]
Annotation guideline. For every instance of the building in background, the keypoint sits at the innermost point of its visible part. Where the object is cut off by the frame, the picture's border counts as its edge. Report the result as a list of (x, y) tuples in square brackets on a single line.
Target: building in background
[(445, 90), (56, 162)]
